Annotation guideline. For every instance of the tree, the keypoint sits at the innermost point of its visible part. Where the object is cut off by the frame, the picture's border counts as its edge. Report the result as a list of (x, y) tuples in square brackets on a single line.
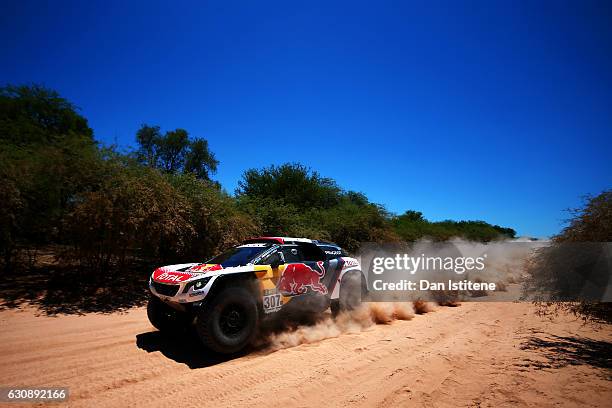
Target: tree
[(148, 139), (173, 149), (412, 226), (174, 152), (293, 183), (200, 160), (37, 115), (414, 216), (47, 154), (509, 232), (293, 200)]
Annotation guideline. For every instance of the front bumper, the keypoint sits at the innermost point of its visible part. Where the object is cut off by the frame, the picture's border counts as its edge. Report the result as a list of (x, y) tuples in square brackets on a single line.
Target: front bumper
[(182, 293)]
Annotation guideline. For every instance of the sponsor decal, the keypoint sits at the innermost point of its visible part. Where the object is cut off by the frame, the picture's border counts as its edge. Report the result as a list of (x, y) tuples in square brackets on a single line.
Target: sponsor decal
[(206, 268), (165, 276), (298, 277), (348, 262)]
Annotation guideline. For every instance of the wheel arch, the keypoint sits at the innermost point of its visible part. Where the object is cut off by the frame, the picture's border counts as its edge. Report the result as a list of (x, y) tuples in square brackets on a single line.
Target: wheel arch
[(336, 292)]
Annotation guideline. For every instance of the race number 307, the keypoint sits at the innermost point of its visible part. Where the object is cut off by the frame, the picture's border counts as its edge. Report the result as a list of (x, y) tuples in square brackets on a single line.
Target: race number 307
[(272, 303)]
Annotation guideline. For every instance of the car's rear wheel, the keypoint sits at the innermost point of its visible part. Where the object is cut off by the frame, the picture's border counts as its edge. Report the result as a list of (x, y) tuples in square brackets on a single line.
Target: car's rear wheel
[(163, 317), (229, 322), (353, 289)]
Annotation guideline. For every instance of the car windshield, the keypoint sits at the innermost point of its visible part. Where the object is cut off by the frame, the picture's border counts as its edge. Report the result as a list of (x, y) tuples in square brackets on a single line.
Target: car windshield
[(239, 256)]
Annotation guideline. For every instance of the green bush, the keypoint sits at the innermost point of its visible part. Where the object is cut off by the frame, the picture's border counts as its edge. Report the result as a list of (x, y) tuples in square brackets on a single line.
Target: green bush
[(47, 155), (216, 220), (292, 200), (134, 211), (411, 226)]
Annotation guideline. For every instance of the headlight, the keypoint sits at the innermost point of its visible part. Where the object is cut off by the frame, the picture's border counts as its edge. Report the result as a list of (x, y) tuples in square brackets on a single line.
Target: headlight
[(197, 285)]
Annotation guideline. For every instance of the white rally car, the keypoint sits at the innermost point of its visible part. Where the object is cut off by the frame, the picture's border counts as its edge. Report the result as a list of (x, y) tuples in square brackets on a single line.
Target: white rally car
[(228, 296)]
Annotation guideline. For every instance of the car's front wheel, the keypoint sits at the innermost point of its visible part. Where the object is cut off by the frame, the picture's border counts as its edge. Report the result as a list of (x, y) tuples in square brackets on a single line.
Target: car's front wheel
[(229, 322), (163, 317)]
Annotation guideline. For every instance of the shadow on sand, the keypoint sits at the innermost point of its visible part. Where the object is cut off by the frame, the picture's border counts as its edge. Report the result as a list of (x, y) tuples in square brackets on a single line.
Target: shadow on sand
[(57, 289), (562, 351), (185, 349)]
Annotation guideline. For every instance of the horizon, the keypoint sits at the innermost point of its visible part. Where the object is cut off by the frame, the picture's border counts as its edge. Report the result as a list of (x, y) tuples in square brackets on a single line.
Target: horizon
[(501, 113)]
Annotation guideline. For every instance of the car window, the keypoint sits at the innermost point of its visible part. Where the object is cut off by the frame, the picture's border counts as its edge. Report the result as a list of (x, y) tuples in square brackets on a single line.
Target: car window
[(271, 257), (311, 252), (239, 256), (292, 254)]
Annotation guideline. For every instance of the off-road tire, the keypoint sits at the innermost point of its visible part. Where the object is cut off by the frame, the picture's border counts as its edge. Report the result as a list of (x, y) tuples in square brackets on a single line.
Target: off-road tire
[(228, 323), (353, 289), (164, 318)]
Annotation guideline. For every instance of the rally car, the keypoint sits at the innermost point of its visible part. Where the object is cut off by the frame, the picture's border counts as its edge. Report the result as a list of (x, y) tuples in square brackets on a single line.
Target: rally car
[(229, 296)]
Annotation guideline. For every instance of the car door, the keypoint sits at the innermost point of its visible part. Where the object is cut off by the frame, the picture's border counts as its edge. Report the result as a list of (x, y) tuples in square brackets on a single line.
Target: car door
[(305, 271)]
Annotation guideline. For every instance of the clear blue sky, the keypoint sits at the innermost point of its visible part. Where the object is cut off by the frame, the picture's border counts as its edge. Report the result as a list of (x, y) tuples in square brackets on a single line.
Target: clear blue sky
[(491, 110)]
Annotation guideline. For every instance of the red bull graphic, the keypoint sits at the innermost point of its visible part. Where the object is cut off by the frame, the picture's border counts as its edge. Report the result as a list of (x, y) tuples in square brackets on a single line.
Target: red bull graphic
[(298, 277), (206, 268)]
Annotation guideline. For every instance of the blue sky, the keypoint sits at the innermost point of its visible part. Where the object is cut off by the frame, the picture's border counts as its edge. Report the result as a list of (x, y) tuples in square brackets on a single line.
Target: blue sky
[(492, 110)]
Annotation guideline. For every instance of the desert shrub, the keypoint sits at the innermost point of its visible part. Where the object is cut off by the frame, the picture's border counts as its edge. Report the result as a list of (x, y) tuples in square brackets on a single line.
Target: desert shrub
[(292, 200), (412, 226), (134, 211), (571, 275), (10, 216), (293, 183), (274, 217), (351, 223), (214, 215), (590, 223)]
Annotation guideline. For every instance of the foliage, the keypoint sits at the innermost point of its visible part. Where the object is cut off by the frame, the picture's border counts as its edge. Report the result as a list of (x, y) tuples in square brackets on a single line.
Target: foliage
[(571, 274), (157, 204), (293, 184), (175, 152), (292, 200), (34, 115), (592, 222), (214, 216), (134, 210), (411, 226), (47, 155)]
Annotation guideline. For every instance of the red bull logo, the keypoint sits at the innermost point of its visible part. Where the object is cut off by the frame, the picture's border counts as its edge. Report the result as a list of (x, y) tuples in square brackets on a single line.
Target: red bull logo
[(206, 268), (298, 277)]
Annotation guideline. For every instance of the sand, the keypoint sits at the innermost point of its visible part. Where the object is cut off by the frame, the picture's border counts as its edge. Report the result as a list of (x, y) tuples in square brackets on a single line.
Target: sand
[(478, 354)]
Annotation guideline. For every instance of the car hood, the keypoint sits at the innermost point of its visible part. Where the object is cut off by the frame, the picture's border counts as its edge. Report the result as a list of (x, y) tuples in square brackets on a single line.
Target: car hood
[(184, 272)]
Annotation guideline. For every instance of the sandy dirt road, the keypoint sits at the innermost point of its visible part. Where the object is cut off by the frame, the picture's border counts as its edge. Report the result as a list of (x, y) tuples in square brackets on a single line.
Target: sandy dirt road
[(478, 354)]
